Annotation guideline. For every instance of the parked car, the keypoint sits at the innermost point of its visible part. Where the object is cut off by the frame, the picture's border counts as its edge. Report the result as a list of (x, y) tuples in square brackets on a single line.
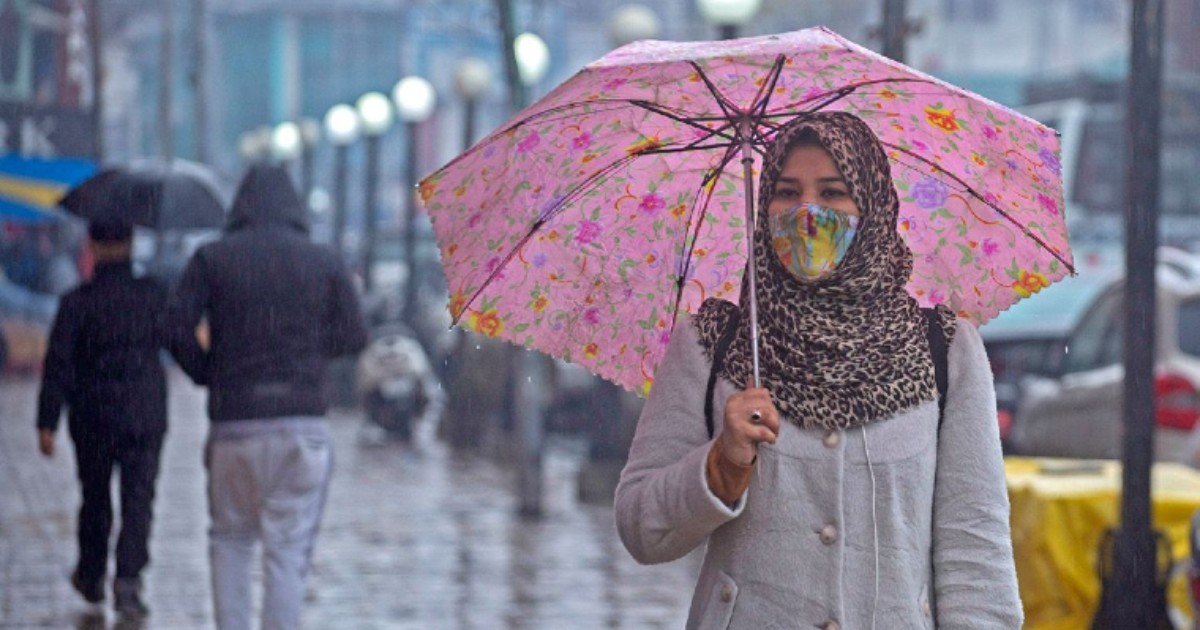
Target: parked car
[(1068, 401), (1031, 339)]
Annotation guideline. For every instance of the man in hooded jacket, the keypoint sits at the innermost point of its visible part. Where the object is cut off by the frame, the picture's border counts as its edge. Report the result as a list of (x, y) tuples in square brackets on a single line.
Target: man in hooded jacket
[(278, 309)]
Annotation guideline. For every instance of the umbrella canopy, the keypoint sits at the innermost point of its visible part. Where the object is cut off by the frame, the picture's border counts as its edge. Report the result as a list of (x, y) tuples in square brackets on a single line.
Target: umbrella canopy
[(157, 194), (585, 225), (31, 187)]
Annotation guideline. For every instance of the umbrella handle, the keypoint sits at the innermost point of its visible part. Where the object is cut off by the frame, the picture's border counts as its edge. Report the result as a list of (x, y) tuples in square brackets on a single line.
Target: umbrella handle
[(748, 173)]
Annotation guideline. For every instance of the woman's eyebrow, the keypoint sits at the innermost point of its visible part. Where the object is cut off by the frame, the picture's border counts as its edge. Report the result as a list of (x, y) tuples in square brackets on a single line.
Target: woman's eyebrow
[(832, 179)]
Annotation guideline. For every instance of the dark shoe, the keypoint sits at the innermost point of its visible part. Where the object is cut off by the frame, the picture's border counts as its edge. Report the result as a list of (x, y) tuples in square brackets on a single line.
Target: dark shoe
[(127, 599), (92, 592)]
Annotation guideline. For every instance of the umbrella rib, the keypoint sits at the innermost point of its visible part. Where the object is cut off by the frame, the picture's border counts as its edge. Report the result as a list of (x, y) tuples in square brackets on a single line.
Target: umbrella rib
[(661, 111), (727, 106), (759, 104), (757, 141), (787, 109), (833, 97), (541, 116), (571, 196), (971, 190), (565, 108), (847, 90), (712, 175), (538, 223), (695, 146), (687, 254), (767, 88), (720, 168), (581, 187), (719, 131)]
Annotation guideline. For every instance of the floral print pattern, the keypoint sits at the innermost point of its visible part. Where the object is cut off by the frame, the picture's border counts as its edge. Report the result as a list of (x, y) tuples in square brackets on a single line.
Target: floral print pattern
[(583, 226)]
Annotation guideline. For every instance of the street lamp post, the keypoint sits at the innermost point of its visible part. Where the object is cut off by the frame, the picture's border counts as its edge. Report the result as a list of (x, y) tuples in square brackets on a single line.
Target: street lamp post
[(631, 23), (612, 426), (375, 116), (285, 144), (472, 80), (1135, 570), (341, 127), (895, 29), (729, 15), (414, 99), (264, 141), (461, 426), (532, 60), (251, 146), (310, 134), (516, 93)]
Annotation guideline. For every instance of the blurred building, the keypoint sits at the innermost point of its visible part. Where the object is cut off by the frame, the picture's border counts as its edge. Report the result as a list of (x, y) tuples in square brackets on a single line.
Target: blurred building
[(48, 127), (1065, 63), (995, 47), (271, 61), (276, 60), (46, 79), (48, 141)]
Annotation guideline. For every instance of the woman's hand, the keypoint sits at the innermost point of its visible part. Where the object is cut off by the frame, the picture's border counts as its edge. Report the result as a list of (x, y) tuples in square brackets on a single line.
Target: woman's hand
[(750, 418)]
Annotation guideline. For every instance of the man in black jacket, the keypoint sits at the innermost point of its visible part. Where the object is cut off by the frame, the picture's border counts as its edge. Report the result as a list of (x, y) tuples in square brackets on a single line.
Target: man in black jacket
[(278, 308), (103, 363)]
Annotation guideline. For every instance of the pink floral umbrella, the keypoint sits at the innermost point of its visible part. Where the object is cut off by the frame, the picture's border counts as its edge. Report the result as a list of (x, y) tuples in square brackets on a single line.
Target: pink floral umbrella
[(584, 226)]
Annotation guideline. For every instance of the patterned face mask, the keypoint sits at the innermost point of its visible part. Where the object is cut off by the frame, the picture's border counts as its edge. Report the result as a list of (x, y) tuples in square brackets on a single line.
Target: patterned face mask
[(810, 239)]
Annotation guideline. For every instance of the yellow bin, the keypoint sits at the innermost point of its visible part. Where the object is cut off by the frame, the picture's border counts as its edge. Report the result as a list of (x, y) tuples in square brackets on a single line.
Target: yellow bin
[(1060, 510)]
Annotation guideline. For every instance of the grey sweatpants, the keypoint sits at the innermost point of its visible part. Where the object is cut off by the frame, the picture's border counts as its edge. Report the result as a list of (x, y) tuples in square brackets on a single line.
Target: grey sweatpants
[(267, 481)]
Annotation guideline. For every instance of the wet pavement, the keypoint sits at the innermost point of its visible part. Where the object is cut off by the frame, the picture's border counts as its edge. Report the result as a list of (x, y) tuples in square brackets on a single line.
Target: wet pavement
[(412, 538)]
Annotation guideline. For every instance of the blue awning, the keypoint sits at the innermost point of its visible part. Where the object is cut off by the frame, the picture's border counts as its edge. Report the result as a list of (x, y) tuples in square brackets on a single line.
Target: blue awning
[(31, 187)]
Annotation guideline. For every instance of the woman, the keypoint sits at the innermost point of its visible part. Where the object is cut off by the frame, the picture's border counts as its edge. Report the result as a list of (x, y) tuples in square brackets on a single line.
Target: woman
[(836, 494)]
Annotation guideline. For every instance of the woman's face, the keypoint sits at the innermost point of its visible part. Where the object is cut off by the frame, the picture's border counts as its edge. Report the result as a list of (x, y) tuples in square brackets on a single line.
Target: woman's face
[(810, 176)]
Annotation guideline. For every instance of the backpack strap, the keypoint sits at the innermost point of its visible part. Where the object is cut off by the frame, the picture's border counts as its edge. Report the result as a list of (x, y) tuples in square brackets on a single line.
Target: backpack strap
[(941, 360), (718, 362)]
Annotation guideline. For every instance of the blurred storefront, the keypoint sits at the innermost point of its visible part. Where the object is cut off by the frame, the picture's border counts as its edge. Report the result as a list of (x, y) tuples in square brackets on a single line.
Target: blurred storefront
[(1065, 63), (48, 141)]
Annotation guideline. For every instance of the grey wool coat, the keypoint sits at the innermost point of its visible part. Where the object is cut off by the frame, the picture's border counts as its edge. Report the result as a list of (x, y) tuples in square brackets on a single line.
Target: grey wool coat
[(895, 526)]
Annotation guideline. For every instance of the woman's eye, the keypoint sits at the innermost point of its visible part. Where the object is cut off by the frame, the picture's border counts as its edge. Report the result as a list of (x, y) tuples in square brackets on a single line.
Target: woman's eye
[(833, 193), (785, 193)]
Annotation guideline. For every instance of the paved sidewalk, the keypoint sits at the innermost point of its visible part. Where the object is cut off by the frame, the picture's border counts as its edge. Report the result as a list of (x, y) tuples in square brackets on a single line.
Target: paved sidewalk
[(419, 538)]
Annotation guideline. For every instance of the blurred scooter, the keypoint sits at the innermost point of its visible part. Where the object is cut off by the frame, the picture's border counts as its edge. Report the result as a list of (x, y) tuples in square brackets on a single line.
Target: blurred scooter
[(398, 388)]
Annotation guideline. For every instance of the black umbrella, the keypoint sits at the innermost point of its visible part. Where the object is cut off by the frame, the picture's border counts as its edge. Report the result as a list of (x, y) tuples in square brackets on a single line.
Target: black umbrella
[(152, 193)]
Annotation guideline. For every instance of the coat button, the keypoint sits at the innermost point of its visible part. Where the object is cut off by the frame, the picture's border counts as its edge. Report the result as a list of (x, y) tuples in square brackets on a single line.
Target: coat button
[(829, 625), (925, 610), (726, 594), (831, 439), (829, 534)]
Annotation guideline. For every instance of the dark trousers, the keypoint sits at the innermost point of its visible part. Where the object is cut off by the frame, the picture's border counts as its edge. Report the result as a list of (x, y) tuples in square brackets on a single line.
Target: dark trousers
[(136, 457)]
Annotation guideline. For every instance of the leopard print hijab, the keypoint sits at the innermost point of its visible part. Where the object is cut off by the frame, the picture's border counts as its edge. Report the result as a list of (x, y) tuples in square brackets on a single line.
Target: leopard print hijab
[(851, 347)]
